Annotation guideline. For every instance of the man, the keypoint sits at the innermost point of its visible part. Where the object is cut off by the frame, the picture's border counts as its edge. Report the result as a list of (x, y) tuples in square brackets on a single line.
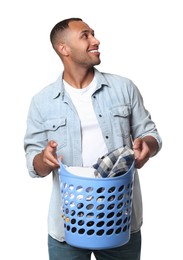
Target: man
[(79, 118)]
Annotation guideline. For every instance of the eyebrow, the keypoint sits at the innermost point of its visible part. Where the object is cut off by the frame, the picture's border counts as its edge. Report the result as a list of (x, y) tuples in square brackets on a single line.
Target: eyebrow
[(87, 31)]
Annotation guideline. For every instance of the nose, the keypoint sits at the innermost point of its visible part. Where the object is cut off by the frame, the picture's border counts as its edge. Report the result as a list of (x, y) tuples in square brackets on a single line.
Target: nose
[(95, 41)]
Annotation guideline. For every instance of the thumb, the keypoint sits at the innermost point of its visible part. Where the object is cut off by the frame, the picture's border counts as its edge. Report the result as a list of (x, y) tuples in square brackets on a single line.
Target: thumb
[(137, 144), (137, 147), (52, 144)]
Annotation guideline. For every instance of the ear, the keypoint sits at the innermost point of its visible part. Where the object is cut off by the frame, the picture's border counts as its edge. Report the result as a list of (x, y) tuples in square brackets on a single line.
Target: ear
[(62, 49)]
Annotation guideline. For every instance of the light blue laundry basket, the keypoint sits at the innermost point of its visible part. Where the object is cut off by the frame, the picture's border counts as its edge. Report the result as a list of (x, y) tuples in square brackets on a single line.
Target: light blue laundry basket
[(96, 211)]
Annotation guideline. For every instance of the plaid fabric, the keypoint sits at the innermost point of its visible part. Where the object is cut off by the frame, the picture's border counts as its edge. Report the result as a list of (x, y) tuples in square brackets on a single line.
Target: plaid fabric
[(115, 163)]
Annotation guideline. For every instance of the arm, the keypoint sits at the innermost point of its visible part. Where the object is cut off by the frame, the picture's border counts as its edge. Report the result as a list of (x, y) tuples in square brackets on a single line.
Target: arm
[(46, 161), (144, 148)]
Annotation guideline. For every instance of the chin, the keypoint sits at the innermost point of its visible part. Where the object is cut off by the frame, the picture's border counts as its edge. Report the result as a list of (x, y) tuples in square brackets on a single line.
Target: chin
[(97, 63)]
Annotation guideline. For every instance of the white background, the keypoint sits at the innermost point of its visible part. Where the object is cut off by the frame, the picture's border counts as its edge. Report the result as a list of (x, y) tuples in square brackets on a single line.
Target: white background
[(141, 40)]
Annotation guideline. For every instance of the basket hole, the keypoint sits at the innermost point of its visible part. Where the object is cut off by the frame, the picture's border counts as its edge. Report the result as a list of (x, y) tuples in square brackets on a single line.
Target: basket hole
[(100, 190), (90, 223), (79, 189), (111, 198), (68, 228), (100, 232), (90, 232), (72, 204), (100, 207), (100, 224), (120, 205), (111, 206), (89, 206), (100, 215), (90, 215), (81, 231), (89, 189), (80, 205), (71, 195), (66, 210), (73, 230), (65, 185), (65, 194), (80, 197), (112, 189), (127, 195), (125, 220), (119, 222), (120, 196), (81, 222), (73, 212), (101, 198), (71, 187), (121, 188), (110, 215), (89, 198), (66, 202), (80, 214), (125, 228), (119, 214), (126, 212), (109, 232), (128, 186), (73, 221), (127, 203), (110, 223), (118, 230)]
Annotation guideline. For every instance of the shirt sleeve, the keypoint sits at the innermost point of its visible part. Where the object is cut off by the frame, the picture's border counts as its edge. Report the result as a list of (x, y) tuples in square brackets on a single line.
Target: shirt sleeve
[(141, 122), (35, 138)]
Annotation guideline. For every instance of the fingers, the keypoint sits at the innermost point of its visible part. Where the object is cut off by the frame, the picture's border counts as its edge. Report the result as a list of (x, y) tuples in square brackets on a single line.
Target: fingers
[(140, 163), (141, 152), (52, 144), (50, 155)]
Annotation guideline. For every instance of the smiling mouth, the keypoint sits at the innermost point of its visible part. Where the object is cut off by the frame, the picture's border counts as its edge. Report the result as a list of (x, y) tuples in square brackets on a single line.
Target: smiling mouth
[(94, 51)]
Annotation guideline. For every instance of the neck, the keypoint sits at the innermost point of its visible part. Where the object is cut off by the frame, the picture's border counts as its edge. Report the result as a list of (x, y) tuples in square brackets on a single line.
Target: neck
[(78, 78)]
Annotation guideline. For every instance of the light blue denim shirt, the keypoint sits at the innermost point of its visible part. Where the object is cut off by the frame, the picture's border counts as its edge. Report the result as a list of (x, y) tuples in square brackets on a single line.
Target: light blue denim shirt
[(52, 116)]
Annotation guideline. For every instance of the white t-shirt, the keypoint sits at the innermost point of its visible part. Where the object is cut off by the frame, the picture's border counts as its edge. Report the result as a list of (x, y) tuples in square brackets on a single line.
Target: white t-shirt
[(93, 145)]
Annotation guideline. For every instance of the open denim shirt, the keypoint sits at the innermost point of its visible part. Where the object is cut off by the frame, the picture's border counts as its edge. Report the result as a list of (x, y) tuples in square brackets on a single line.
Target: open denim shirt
[(121, 115)]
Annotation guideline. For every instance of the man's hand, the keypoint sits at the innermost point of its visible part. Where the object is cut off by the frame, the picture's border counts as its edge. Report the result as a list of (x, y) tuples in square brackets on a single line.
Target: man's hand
[(49, 155), (144, 148), (47, 160), (141, 152)]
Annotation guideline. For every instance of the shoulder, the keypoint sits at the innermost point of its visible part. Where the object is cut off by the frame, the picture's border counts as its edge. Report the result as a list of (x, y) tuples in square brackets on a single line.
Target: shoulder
[(50, 91), (114, 80)]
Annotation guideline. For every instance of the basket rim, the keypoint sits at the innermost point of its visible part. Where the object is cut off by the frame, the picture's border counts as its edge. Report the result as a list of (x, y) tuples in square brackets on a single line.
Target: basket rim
[(66, 173)]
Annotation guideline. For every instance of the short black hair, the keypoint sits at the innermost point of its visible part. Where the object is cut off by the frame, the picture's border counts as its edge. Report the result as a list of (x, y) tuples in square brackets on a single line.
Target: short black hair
[(61, 26)]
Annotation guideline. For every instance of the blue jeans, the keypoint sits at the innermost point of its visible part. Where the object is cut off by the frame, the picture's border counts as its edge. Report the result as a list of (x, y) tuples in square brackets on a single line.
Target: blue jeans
[(63, 251)]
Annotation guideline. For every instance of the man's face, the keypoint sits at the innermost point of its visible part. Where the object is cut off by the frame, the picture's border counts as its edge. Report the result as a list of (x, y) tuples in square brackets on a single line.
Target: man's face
[(82, 46)]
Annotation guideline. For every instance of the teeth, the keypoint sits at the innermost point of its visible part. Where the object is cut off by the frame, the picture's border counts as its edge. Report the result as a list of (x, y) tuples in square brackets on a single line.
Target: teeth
[(94, 51)]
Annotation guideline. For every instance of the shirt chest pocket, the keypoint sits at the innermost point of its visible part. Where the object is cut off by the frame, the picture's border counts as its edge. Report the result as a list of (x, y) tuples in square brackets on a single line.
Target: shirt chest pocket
[(56, 131), (121, 120)]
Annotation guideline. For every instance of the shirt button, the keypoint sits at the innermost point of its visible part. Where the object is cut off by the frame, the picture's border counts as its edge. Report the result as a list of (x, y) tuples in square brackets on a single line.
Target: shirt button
[(100, 115), (107, 137), (53, 126)]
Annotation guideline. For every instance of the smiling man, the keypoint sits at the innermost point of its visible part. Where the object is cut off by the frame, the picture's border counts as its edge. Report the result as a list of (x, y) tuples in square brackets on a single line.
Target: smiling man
[(82, 116)]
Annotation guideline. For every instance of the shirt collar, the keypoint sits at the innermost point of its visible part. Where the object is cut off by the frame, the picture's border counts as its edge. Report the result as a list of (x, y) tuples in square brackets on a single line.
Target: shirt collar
[(58, 86)]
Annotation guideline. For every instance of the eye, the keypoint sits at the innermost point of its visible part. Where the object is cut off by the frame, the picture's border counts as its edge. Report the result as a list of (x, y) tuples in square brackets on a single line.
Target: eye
[(85, 35)]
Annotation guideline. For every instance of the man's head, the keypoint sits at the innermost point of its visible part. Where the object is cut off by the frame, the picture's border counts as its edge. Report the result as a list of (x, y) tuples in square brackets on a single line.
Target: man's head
[(59, 28), (75, 43)]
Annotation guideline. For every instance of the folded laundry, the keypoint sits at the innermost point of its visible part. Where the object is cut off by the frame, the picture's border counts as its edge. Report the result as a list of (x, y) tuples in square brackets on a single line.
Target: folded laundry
[(115, 163)]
